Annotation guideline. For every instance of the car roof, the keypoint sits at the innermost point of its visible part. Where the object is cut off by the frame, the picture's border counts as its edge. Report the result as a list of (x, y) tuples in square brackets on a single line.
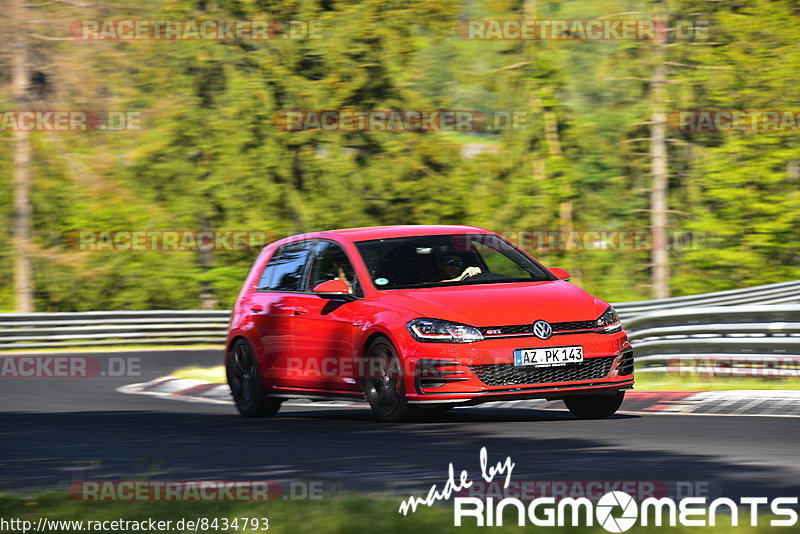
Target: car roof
[(410, 230), (370, 233)]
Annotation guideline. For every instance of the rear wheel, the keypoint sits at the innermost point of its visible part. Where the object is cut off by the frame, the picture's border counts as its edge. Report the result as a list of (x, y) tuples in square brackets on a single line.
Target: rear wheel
[(245, 383), (594, 406), (384, 386)]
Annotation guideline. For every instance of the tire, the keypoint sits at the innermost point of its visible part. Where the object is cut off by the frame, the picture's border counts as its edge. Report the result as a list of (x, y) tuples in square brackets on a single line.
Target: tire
[(244, 380), (386, 390), (594, 406)]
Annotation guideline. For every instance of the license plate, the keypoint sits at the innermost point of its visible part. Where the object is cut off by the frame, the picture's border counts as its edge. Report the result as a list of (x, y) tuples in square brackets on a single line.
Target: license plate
[(549, 356)]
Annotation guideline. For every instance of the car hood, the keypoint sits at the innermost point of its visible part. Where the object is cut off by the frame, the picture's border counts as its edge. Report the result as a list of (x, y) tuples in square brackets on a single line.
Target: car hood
[(500, 304)]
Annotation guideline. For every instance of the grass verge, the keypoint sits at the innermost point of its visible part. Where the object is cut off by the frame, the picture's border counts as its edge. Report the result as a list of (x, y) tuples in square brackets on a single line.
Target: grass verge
[(209, 374), (112, 348), (668, 382), (337, 515)]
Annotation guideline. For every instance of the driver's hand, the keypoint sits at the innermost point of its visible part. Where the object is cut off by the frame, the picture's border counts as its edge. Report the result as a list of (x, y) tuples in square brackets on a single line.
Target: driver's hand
[(469, 271)]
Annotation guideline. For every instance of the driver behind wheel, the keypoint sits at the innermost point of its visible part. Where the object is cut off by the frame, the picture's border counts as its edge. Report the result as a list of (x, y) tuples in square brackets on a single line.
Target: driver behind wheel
[(452, 267)]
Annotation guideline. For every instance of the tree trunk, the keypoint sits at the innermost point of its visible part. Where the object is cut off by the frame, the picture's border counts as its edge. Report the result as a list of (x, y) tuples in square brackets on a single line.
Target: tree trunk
[(207, 299), (658, 161), (21, 226), (538, 167)]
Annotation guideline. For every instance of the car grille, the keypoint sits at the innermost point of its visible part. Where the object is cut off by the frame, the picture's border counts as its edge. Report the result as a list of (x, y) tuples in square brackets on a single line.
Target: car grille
[(507, 374), (522, 329), (574, 325)]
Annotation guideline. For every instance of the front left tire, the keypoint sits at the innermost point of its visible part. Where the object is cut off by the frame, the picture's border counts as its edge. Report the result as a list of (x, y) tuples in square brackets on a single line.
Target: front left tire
[(245, 382), (595, 406), (384, 386)]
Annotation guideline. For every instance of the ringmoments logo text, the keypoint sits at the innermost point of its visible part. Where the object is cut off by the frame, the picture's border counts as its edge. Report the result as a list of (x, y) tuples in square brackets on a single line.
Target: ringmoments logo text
[(615, 511)]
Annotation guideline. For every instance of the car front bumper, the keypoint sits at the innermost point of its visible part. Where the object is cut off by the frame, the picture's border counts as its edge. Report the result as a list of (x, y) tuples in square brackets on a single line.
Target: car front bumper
[(471, 373)]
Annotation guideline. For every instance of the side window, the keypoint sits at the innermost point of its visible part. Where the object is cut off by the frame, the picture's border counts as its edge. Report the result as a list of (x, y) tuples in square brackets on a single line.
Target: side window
[(269, 271), (285, 269), (331, 262), (499, 263)]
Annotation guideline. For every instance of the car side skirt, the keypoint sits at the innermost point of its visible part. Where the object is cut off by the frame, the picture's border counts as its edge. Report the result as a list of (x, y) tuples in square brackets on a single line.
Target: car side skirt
[(465, 399)]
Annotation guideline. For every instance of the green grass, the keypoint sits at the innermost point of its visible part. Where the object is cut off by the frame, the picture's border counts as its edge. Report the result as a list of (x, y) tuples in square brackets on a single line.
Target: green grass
[(337, 515), (209, 374), (644, 381), (113, 348), (667, 382)]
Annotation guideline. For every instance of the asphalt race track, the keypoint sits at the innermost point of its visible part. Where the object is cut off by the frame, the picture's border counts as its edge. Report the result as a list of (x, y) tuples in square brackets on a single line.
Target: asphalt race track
[(54, 431)]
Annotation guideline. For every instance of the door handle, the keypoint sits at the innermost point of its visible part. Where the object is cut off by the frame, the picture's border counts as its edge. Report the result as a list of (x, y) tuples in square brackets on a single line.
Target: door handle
[(299, 311), (256, 308)]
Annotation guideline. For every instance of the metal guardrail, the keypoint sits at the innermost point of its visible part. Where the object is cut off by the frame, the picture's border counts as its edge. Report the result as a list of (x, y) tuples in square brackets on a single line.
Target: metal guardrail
[(110, 328), (739, 332), (753, 340), (781, 293)]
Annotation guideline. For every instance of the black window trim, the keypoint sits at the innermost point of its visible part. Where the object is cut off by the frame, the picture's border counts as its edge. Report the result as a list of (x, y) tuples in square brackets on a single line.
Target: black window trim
[(276, 254), (304, 289), (312, 256), (536, 262)]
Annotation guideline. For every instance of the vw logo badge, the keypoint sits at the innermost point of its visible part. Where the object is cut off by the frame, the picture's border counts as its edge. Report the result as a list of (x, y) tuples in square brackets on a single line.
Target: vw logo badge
[(542, 329)]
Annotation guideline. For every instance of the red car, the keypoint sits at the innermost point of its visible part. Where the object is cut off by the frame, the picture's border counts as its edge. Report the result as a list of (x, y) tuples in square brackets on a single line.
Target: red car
[(420, 319)]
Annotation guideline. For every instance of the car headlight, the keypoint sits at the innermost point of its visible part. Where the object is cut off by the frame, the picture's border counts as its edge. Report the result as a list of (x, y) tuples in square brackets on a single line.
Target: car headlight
[(609, 322), (438, 331)]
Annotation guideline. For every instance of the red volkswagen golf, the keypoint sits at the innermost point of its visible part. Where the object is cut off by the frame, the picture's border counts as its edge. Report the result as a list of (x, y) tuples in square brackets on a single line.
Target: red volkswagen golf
[(420, 319)]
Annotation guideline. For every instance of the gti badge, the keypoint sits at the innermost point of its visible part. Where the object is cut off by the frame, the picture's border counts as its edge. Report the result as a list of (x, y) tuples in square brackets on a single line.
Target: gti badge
[(542, 329)]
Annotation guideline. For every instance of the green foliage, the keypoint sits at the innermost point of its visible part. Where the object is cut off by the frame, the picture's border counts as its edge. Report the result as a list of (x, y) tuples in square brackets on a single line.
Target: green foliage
[(210, 155)]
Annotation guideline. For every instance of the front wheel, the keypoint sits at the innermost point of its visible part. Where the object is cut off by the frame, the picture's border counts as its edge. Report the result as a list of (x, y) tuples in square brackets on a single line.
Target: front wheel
[(594, 406), (384, 386), (245, 383)]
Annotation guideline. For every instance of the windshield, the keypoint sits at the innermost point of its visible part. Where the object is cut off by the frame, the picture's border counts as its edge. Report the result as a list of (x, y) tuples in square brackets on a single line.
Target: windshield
[(445, 260)]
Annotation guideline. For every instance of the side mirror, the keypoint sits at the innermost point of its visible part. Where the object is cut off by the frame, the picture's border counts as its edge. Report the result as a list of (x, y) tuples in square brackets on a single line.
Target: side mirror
[(332, 288), (561, 274)]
